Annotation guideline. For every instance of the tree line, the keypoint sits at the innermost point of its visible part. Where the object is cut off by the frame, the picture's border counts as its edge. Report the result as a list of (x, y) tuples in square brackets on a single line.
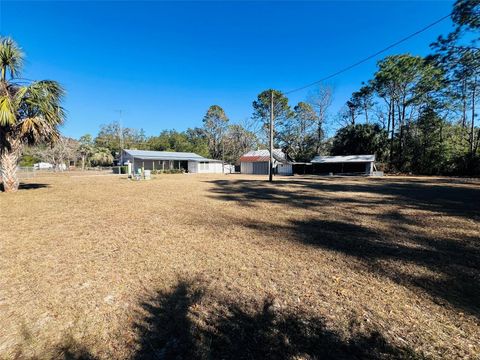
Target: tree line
[(417, 114), (412, 114), (216, 139)]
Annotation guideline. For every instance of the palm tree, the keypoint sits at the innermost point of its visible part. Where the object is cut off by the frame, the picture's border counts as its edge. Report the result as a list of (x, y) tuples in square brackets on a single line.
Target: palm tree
[(30, 112), (101, 156)]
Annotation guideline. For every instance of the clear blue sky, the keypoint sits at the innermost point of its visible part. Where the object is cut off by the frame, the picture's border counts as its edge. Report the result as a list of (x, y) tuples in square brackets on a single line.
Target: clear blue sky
[(165, 63)]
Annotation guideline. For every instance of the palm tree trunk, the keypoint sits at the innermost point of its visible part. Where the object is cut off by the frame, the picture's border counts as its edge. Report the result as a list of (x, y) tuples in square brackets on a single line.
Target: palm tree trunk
[(8, 168)]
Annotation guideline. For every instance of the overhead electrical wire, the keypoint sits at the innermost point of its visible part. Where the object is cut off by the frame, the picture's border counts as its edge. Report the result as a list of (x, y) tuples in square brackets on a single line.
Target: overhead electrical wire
[(370, 56)]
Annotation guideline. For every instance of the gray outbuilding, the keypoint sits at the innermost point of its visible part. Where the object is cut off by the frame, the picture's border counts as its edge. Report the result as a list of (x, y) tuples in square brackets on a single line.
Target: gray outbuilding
[(347, 164)]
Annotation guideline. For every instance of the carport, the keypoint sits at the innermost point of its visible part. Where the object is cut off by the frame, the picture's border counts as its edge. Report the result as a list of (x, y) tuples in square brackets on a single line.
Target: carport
[(344, 165)]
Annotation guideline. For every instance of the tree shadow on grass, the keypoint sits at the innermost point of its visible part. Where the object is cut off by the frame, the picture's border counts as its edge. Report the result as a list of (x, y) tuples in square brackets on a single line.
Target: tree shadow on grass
[(452, 262), (450, 197), (67, 349), (190, 323), (455, 263)]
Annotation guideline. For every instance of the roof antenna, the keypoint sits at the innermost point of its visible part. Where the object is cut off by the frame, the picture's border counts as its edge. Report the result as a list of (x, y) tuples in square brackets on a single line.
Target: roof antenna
[(120, 135)]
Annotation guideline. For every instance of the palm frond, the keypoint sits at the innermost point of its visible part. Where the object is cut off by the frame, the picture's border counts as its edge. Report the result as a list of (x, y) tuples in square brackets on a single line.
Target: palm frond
[(42, 98), (7, 110), (11, 58), (29, 113), (38, 129)]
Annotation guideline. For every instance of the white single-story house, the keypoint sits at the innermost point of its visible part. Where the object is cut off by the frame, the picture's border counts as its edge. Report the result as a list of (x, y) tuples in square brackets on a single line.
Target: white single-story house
[(169, 160), (348, 164), (257, 162)]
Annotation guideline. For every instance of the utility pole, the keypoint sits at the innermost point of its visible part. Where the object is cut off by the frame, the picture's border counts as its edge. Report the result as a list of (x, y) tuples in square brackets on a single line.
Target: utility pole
[(223, 154), (270, 173), (120, 135)]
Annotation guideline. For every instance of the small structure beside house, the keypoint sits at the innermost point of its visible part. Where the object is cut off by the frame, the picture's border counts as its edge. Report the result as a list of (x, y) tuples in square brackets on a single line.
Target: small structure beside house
[(43, 166), (257, 162), (348, 164), (170, 160), (302, 168), (57, 167)]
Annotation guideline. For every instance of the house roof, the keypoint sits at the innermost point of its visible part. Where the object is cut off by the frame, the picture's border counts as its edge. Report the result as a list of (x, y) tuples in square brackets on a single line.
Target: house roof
[(264, 155), (343, 159), (166, 155)]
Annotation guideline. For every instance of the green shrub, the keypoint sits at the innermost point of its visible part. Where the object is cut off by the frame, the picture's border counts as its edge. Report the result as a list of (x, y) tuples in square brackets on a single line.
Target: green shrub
[(28, 160), (168, 171), (123, 169)]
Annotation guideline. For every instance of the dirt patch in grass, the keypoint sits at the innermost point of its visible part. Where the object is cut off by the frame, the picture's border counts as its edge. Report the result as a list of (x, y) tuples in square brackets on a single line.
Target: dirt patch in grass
[(197, 266)]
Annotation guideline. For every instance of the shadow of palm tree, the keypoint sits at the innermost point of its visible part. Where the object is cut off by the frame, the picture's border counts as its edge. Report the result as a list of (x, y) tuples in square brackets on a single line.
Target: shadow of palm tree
[(166, 331), (191, 322), (188, 323), (32, 186)]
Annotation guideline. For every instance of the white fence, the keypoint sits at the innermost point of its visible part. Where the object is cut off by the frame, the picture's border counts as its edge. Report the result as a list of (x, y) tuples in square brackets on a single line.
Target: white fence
[(26, 172)]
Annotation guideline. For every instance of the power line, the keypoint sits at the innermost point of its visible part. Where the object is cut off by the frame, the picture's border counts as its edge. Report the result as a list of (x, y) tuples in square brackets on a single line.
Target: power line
[(370, 56)]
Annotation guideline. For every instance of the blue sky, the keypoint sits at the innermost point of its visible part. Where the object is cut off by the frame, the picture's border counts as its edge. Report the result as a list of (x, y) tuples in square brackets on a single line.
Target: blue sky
[(165, 63)]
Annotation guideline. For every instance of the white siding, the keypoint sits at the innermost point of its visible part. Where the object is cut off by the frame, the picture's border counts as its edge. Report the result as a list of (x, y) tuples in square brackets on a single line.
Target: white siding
[(229, 169), (211, 168), (246, 168), (192, 167), (205, 167), (284, 169)]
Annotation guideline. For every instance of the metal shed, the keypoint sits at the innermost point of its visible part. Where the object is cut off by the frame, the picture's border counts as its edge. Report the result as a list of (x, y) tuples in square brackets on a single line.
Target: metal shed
[(347, 164), (257, 162)]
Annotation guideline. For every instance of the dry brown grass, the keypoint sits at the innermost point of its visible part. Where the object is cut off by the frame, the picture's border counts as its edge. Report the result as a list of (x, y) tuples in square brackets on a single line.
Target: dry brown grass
[(191, 266)]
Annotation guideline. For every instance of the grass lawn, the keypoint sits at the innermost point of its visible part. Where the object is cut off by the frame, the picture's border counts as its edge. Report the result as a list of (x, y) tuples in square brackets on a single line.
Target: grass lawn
[(211, 267)]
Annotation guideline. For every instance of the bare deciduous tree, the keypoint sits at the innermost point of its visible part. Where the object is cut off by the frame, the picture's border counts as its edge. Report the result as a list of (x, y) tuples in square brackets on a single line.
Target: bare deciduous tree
[(60, 153), (321, 99)]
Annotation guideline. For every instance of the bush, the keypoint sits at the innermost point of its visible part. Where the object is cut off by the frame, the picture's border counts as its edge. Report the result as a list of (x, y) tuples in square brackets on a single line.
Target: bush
[(467, 165), (168, 171), (28, 160), (123, 169)]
